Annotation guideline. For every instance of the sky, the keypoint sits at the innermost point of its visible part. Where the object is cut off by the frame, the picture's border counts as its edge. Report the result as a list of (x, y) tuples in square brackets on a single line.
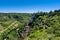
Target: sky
[(28, 6)]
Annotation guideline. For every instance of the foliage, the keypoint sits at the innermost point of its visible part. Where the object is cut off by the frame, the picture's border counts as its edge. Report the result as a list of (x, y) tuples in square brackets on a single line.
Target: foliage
[(45, 25)]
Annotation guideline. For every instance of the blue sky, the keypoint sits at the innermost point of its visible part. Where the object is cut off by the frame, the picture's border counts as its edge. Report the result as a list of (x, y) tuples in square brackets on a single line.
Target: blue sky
[(28, 5)]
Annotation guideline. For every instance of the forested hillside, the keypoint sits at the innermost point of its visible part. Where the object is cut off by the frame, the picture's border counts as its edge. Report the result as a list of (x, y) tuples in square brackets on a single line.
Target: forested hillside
[(26, 26), (45, 26)]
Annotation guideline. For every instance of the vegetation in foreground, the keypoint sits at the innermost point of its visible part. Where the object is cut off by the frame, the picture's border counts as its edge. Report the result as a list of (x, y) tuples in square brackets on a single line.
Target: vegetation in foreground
[(45, 26)]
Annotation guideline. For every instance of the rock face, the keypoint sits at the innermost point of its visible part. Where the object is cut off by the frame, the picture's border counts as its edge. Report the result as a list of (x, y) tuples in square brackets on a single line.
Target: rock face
[(25, 34)]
